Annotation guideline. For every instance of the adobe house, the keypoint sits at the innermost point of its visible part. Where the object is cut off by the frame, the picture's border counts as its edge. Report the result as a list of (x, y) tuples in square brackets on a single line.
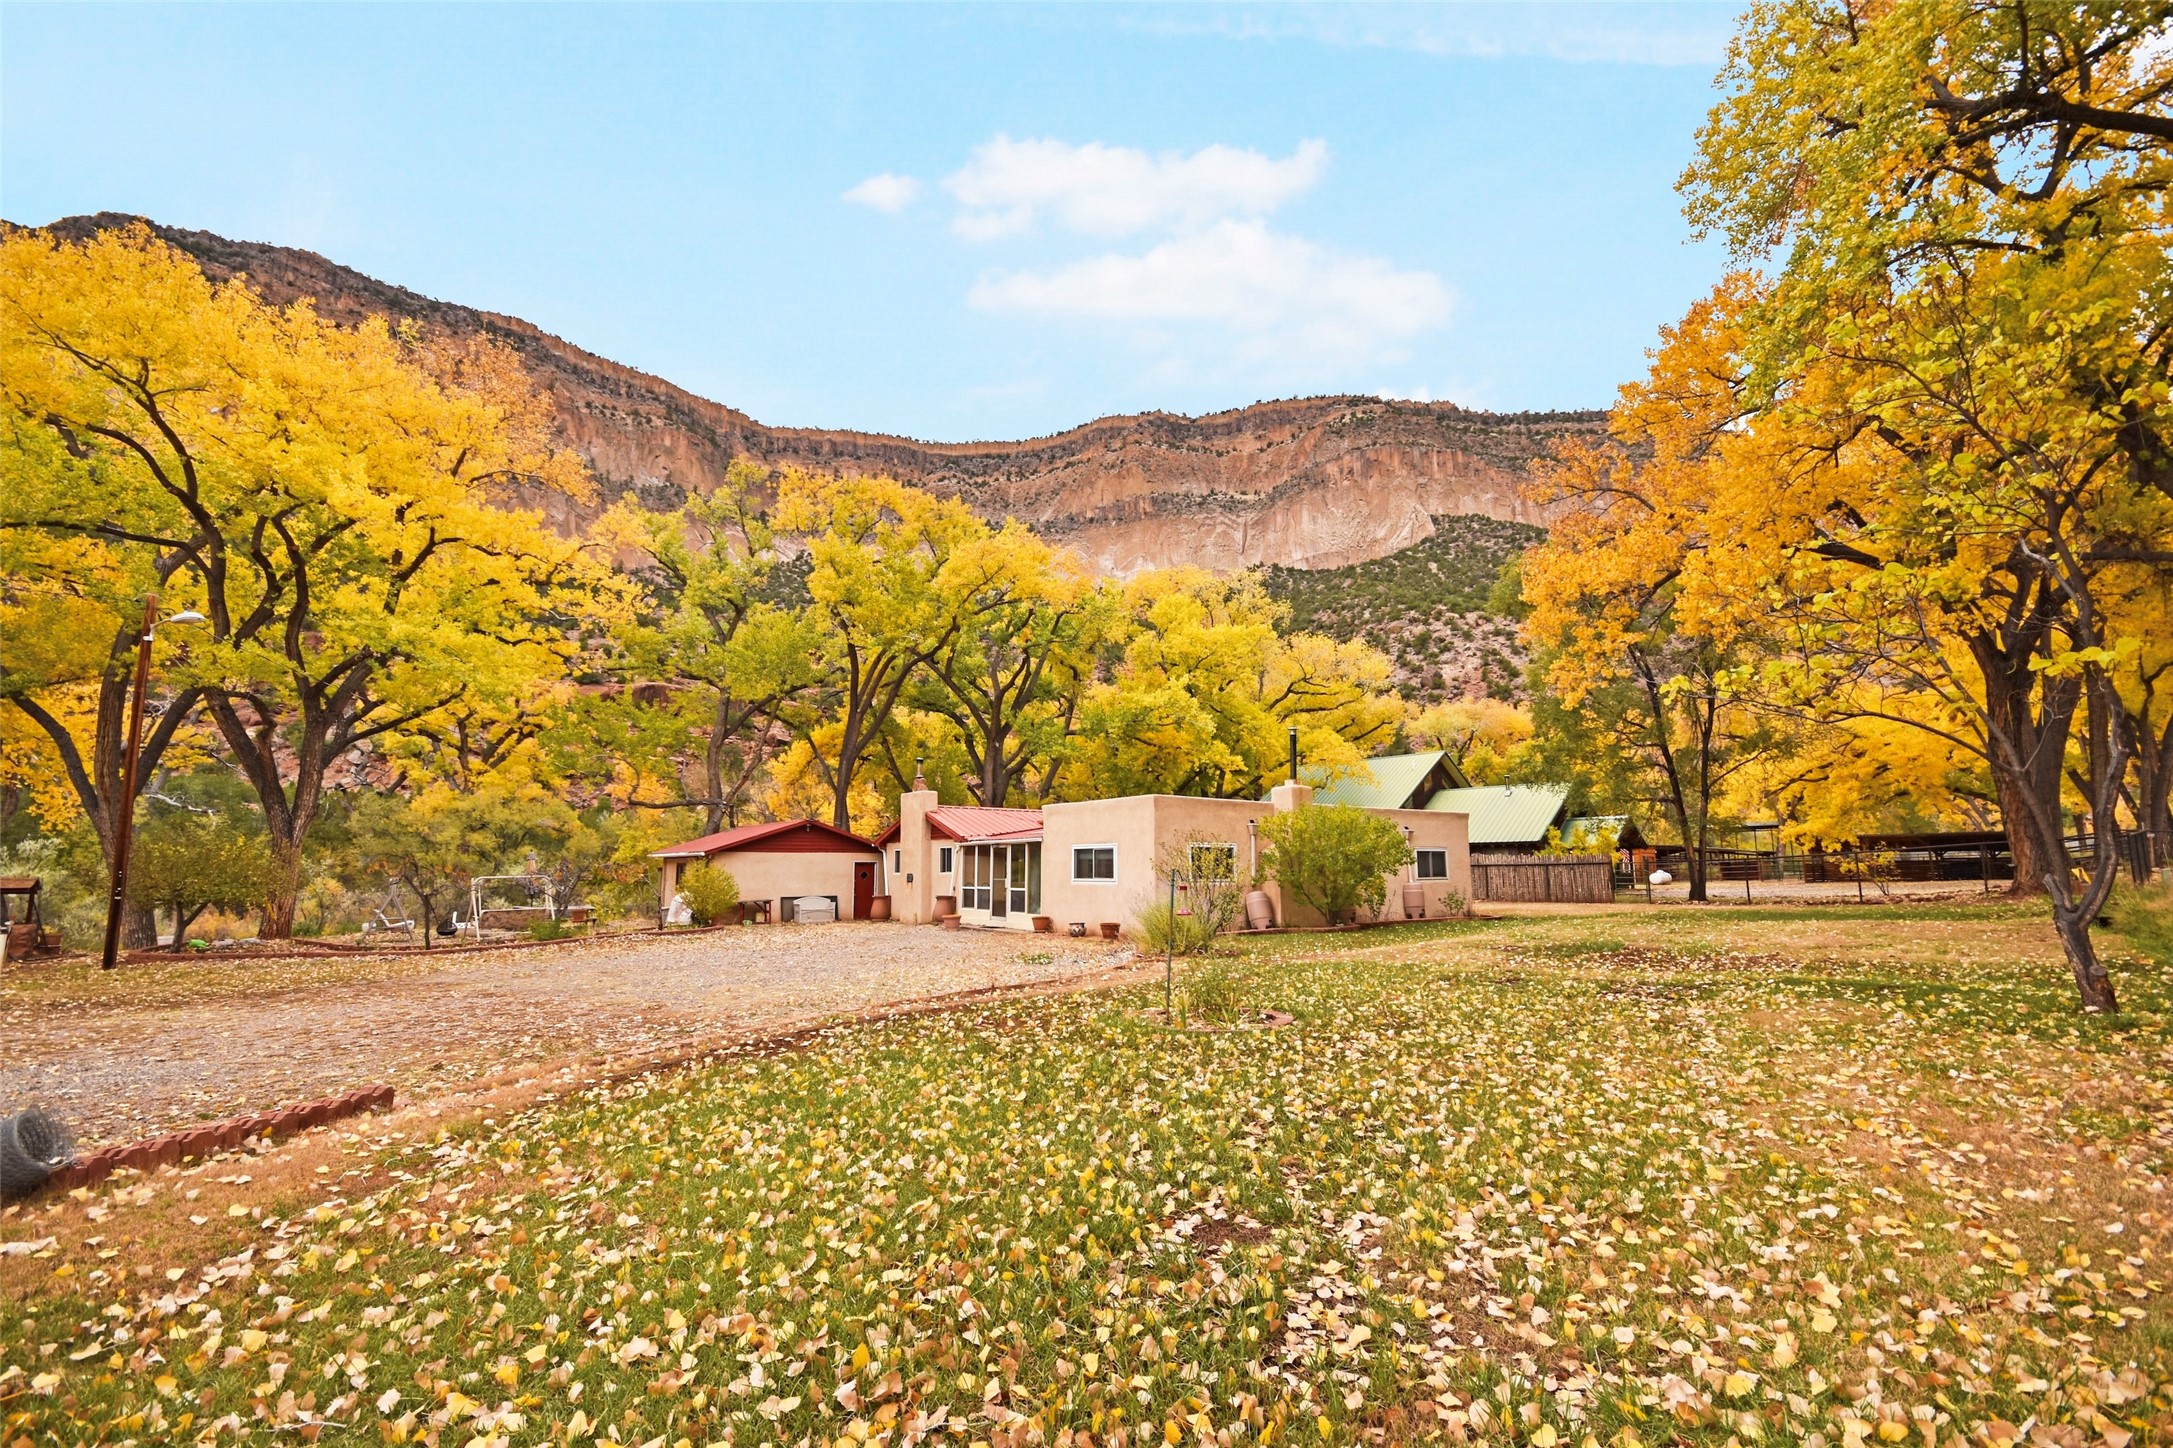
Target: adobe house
[(781, 861), (1095, 861)]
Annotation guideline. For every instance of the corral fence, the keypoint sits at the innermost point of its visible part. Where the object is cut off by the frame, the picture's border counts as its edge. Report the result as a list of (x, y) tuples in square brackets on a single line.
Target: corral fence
[(1564, 879), (1979, 857)]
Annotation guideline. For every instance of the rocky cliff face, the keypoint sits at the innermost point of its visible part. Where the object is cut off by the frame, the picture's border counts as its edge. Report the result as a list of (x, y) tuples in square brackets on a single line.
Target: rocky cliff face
[(1317, 482)]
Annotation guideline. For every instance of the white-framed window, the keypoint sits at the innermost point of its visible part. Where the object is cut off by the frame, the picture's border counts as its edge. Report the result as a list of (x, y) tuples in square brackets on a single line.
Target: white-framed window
[(1211, 861), (1093, 864), (1433, 864), (943, 859)]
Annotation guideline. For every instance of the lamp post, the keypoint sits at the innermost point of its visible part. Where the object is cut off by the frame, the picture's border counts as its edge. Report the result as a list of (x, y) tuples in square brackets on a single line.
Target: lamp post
[(124, 833), (1169, 963)]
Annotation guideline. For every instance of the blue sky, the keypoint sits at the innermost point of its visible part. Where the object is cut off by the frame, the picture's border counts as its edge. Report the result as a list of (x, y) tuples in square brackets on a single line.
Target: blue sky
[(948, 222)]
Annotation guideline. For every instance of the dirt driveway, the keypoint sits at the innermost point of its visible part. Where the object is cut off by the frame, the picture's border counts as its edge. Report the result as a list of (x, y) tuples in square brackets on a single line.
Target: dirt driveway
[(131, 1053)]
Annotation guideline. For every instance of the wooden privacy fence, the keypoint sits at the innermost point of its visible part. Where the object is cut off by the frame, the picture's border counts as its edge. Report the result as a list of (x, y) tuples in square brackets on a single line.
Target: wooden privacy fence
[(1570, 879)]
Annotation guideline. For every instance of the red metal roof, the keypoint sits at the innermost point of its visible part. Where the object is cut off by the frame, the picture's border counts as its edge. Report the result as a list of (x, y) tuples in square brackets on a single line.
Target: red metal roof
[(977, 822), (813, 838)]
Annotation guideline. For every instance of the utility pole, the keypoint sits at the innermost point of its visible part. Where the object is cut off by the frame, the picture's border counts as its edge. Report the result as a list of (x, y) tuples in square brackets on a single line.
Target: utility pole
[(125, 824)]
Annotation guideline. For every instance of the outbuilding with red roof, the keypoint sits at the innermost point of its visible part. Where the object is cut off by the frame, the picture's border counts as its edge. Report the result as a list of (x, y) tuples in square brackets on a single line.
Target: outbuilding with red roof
[(784, 861)]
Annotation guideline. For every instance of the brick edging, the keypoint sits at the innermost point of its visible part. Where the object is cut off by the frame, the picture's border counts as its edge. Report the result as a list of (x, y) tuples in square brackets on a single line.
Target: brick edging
[(202, 1141)]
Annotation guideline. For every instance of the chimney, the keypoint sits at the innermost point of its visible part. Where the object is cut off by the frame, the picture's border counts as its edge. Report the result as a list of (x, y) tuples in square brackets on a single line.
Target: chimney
[(920, 775), (1293, 754)]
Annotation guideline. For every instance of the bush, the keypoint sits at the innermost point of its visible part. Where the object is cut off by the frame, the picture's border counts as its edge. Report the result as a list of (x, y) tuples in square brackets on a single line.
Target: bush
[(1211, 995), (549, 930), (1333, 857), (1455, 906), (711, 893), (193, 863), (1195, 933)]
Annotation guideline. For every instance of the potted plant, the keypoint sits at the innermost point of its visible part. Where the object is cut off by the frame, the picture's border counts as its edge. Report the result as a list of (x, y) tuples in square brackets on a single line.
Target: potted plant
[(1044, 924)]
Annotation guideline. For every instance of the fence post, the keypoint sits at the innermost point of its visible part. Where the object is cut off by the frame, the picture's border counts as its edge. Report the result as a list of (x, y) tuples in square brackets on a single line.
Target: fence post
[(1859, 877)]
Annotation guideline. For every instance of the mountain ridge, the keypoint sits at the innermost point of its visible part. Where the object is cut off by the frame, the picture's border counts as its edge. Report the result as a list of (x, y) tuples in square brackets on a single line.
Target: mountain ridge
[(1319, 482)]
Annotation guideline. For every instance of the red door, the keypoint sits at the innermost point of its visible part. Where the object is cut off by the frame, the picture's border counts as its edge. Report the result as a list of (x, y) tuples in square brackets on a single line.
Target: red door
[(863, 888)]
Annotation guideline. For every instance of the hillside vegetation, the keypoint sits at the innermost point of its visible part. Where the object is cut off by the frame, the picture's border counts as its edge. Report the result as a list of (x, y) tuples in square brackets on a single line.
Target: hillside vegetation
[(1425, 606)]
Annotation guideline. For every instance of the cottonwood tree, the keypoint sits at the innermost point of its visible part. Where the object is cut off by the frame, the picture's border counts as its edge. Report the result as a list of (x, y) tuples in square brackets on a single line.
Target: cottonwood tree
[(333, 500), (1657, 678), (877, 548), (730, 657), (1204, 688), (1962, 365), (1030, 623)]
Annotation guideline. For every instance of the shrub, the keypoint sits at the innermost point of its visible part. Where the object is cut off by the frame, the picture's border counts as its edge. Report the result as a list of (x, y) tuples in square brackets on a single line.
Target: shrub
[(1333, 857), (193, 863), (711, 893), (1214, 892), (1211, 995), (1194, 933), (1454, 906), (548, 930)]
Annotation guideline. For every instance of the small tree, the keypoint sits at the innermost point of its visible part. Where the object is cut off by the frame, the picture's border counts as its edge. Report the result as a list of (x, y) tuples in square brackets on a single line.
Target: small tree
[(192, 863), (711, 893), (1333, 857), (1214, 895)]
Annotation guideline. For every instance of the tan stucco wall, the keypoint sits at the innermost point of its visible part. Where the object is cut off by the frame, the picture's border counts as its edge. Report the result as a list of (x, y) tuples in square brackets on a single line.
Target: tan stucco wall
[(913, 901), (772, 876), (1143, 828)]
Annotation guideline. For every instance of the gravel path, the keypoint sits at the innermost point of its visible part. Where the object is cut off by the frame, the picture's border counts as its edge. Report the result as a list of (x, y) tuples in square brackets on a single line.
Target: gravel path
[(118, 1070)]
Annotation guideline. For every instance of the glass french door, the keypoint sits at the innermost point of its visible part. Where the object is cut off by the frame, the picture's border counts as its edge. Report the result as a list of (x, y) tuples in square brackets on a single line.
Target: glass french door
[(1004, 880)]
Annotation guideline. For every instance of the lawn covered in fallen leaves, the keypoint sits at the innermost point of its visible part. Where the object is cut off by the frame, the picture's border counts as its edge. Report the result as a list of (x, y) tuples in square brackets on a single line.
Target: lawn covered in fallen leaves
[(1800, 1176)]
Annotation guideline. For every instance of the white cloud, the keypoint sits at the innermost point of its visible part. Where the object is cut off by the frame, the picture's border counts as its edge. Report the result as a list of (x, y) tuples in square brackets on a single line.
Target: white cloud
[(1119, 190), (1267, 296), (885, 192)]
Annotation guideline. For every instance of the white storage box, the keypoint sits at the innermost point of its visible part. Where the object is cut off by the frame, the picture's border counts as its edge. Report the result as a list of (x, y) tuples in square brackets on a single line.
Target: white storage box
[(814, 910)]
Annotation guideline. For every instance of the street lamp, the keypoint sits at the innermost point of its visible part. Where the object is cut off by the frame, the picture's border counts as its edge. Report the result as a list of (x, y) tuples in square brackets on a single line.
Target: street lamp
[(125, 832)]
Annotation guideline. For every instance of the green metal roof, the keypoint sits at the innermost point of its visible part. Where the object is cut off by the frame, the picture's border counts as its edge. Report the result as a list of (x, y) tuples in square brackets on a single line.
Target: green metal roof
[(1505, 814), (1387, 782)]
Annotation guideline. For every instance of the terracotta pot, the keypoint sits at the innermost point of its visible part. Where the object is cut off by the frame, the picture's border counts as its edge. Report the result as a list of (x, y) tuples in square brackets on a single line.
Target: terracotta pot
[(1109, 929), (879, 907), (1414, 902), (946, 905), (1259, 910), (948, 922), (1044, 924)]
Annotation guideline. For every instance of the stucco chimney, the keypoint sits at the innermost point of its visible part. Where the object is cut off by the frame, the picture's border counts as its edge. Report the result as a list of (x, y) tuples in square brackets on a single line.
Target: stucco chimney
[(914, 900)]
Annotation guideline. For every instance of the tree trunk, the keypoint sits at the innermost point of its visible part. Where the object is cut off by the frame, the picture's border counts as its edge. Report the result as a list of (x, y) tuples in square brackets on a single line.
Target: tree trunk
[(282, 888), (2028, 717), (2153, 786), (2092, 984)]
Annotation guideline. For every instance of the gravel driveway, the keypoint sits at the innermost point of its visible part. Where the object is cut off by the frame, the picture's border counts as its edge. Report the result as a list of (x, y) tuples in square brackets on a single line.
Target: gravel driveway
[(118, 1069)]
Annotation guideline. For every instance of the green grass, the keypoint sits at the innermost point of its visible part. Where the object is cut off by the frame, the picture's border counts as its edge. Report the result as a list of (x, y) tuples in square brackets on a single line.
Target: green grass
[(1528, 1181)]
